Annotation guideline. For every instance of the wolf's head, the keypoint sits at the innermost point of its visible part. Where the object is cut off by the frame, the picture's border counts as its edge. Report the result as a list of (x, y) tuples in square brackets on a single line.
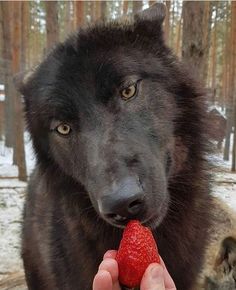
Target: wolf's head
[(112, 108)]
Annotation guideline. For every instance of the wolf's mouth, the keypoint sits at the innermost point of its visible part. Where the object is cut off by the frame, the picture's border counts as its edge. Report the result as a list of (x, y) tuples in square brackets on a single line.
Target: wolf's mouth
[(121, 222), (150, 219), (118, 218), (152, 222)]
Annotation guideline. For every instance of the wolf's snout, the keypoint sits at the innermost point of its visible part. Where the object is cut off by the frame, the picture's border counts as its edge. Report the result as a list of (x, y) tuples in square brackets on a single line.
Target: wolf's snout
[(124, 201)]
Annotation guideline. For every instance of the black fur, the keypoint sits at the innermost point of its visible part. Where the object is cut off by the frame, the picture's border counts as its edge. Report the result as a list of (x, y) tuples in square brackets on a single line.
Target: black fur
[(157, 136)]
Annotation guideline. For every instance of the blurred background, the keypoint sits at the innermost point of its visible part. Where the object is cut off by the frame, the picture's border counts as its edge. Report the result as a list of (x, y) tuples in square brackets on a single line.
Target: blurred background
[(201, 33)]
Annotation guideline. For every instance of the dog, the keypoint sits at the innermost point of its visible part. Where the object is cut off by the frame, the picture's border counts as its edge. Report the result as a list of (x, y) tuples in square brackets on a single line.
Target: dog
[(118, 128)]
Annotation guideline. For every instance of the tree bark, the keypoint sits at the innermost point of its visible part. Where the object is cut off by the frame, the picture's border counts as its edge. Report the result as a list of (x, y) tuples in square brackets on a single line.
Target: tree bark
[(104, 10), (1, 39), (150, 3), (232, 78), (25, 35), (79, 13), (137, 6), (93, 11), (6, 23), (230, 109), (206, 38), (2, 117), (67, 17), (178, 37), (98, 10), (167, 23), (194, 46), (224, 94), (52, 25), (213, 58), (19, 150), (125, 7)]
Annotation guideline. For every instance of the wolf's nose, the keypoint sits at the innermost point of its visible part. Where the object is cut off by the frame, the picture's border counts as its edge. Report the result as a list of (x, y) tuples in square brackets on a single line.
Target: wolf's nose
[(124, 201)]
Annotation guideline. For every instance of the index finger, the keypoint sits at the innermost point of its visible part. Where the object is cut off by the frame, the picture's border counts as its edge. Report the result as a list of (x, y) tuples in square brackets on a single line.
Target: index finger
[(169, 283), (110, 254)]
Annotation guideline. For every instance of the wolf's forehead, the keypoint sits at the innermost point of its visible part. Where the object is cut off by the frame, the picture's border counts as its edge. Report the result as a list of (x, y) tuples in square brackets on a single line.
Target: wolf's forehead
[(96, 65)]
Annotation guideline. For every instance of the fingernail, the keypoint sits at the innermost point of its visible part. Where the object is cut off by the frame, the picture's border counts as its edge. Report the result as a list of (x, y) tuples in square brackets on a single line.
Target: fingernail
[(157, 274)]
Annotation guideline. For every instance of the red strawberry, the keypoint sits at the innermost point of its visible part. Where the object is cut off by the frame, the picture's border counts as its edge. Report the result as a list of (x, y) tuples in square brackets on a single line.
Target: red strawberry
[(137, 250)]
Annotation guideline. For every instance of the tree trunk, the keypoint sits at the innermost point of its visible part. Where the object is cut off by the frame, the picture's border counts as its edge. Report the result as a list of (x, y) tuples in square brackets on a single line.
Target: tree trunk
[(25, 34), (224, 99), (68, 18), (79, 13), (194, 48), (125, 7), (232, 78), (213, 57), (52, 23), (19, 151), (167, 23), (206, 38), (1, 39), (98, 10), (230, 111), (93, 11), (150, 3), (7, 56), (2, 117), (137, 6), (104, 10), (178, 37)]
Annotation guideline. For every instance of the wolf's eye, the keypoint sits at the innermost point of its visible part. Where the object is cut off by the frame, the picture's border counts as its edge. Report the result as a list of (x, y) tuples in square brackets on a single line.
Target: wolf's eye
[(63, 129), (128, 92)]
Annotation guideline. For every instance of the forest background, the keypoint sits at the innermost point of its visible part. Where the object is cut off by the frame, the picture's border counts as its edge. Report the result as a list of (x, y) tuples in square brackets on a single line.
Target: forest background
[(201, 33)]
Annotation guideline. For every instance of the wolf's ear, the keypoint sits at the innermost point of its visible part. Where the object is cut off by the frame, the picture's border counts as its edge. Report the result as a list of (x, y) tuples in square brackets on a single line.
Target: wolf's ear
[(155, 13), (22, 81), (148, 23)]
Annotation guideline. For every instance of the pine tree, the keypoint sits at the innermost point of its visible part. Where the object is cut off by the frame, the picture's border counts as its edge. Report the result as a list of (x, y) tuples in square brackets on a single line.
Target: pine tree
[(25, 35), (233, 75), (19, 150), (6, 22), (230, 91), (137, 6), (52, 23), (194, 44)]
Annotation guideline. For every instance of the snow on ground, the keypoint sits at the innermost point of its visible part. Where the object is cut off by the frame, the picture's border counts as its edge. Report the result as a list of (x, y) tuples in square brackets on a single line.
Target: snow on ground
[(227, 192), (6, 157), (11, 207), (224, 184), (12, 195)]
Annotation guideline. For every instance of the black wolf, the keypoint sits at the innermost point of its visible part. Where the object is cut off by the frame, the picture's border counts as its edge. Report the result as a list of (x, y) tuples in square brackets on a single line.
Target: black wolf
[(117, 125)]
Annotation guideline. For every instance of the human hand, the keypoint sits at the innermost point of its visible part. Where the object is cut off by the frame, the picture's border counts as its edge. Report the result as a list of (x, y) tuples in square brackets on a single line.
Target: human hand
[(156, 276)]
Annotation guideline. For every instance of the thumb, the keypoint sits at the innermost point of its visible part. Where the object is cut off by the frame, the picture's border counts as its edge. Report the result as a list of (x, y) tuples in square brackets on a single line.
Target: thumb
[(153, 278)]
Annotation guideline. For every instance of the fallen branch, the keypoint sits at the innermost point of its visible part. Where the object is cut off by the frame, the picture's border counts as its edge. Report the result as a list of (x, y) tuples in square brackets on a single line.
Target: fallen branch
[(8, 177), (12, 187), (225, 181)]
